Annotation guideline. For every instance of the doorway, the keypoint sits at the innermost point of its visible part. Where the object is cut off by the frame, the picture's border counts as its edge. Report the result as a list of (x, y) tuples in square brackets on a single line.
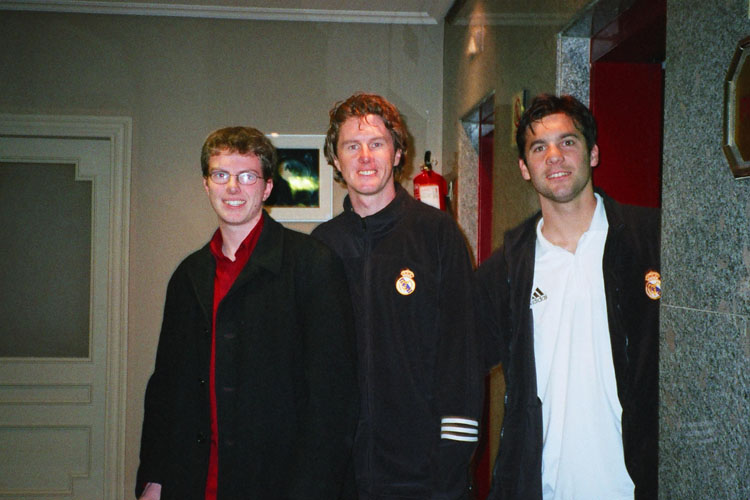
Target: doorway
[(612, 57), (479, 125), (627, 81), (66, 224)]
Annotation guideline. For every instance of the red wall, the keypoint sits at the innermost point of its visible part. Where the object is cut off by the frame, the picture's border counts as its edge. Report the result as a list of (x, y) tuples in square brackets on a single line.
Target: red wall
[(626, 99), (484, 196)]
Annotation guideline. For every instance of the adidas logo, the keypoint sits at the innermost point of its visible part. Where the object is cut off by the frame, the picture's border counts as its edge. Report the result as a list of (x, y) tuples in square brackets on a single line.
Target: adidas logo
[(538, 296)]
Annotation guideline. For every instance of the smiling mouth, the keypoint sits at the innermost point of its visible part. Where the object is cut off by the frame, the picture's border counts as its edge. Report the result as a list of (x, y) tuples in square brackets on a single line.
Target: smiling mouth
[(366, 172), (235, 203), (558, 175)]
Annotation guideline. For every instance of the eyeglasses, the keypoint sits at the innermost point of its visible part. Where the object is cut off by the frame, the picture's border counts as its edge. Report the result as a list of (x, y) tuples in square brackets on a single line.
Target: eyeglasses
[(244, 178)]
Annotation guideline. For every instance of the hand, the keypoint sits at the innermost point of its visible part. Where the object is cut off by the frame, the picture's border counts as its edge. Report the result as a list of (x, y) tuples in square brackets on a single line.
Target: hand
[(152, 491)]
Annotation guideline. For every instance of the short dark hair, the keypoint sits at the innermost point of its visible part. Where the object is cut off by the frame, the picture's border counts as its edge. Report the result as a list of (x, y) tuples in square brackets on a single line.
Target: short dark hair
[(360, 105), (548, 104), (241, 140)]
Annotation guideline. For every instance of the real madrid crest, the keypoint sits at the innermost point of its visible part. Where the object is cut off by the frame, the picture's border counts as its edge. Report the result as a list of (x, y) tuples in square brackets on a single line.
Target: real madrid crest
[(653, 285), (405, 284)]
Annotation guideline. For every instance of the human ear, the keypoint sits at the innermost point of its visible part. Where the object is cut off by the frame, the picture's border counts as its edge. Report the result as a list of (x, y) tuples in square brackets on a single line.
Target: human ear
[(268, 189), (594, 156), (524, 169)]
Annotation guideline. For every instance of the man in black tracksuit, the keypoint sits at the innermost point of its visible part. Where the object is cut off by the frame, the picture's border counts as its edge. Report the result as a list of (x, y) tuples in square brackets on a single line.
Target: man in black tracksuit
[(547, 450), (410, 278)]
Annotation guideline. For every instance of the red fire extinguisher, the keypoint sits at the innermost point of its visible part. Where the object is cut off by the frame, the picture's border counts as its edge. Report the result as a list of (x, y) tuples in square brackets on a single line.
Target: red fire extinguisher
[(429, 186)]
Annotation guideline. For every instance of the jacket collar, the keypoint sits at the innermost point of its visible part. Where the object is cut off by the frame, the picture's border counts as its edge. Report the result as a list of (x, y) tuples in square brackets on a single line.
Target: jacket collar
[(516, 239), (266, 256), (613, 209), (519, 243), (383, 220)]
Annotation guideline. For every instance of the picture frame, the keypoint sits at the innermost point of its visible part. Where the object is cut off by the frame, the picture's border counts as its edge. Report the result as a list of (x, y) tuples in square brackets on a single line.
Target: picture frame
[(736, 144), (517, 107), (303, 180)]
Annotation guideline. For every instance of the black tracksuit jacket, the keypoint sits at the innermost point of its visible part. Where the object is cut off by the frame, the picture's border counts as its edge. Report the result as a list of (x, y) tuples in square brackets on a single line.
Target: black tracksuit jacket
[(418, 359), (505, 280)]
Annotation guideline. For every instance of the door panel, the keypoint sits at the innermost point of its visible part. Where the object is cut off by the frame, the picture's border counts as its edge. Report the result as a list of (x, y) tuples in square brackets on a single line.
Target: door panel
[(54, 397), (45, 227)]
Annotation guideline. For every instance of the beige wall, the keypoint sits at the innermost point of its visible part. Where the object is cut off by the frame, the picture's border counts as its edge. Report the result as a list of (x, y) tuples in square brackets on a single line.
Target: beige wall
[(520, 46), (181, 78)]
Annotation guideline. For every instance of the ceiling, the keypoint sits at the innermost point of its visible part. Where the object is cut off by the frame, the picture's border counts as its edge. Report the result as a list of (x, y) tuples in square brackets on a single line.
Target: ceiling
[(359, 11)]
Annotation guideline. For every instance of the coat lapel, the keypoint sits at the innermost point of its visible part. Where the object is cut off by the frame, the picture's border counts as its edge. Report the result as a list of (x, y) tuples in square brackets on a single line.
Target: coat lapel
[(202, 274), (266, 255)]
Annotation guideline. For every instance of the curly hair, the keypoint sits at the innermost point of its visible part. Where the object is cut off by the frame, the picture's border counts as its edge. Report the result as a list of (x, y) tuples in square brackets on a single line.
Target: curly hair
[(360, 105), (242, 140)]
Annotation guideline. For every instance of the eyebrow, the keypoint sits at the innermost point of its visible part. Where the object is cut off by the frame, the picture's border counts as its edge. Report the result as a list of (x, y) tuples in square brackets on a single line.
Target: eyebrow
[(556, 138), (357, 141), (211, 171), (381, 136)]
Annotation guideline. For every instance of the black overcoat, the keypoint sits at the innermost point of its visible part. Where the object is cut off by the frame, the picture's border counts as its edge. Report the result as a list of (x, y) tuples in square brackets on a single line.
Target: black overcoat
[(286, 386)]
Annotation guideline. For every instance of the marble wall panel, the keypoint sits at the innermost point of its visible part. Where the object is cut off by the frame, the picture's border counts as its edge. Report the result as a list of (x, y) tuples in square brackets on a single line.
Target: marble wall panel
[(703, 416)]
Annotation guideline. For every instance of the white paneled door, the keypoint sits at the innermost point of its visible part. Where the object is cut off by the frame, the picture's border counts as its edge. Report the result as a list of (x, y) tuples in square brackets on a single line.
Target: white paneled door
[(64, 198)]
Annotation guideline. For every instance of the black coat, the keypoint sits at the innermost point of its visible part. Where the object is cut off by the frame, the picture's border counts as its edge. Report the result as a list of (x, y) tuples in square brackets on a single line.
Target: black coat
[(287, 397), (631, 250), (418, 359)]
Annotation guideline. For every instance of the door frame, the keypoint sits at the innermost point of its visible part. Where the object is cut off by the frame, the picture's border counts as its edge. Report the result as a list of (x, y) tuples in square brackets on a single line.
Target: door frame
[(117, 130)]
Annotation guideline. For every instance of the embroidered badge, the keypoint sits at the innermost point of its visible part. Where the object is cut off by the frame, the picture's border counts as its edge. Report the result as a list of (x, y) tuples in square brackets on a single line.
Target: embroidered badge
[(405, 284), (653, 285)]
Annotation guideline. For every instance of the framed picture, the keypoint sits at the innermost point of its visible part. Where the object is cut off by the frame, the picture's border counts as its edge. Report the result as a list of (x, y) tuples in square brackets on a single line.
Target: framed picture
[(737, 111), (302, 180), (517, 107)]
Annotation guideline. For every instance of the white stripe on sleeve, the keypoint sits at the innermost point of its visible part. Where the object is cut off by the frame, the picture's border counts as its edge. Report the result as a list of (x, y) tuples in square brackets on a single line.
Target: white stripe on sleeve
[(459, 429)]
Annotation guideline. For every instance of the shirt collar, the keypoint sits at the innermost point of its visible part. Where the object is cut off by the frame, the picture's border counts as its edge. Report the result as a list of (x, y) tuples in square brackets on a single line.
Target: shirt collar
[(598, 223), (244, 249)]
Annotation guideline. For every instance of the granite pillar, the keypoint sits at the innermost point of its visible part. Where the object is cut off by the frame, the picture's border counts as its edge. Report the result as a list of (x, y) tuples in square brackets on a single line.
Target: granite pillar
[(705, 311)]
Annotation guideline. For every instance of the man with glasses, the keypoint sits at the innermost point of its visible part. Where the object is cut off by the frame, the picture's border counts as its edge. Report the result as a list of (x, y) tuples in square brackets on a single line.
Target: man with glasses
[(254, 393)]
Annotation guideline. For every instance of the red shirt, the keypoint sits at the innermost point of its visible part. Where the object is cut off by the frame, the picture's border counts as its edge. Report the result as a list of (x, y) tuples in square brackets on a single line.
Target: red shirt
[(226, 273)]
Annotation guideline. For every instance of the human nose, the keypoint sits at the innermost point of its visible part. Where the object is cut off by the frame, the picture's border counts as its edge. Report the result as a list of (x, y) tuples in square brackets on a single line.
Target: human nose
[(365, 154), (554, 154), (233, 184)]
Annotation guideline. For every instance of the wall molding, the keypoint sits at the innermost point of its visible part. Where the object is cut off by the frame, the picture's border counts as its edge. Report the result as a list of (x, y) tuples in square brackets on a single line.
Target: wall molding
[(219, 11), (511, 19)]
